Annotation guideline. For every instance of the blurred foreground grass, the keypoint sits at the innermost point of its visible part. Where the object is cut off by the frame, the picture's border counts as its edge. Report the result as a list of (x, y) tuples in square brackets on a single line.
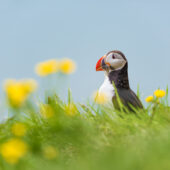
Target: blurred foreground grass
[(66, 135)]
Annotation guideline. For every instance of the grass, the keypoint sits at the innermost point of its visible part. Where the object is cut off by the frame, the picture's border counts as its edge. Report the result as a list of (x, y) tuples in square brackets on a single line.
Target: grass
[(94, 137)]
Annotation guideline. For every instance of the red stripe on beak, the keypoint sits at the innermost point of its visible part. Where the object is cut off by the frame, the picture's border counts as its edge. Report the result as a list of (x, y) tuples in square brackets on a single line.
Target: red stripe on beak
[(99, 65)]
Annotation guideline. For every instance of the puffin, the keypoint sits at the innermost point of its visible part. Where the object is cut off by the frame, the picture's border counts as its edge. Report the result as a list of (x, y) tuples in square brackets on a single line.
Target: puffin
[(115, 67)]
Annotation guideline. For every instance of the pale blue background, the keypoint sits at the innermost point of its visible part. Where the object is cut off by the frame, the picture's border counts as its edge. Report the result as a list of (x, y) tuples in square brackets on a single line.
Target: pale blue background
[(36, 30)]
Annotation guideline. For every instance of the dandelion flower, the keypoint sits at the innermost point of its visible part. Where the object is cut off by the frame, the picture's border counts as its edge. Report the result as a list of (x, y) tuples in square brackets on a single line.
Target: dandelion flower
[(47, 67), (19, 129), (71, 109), (67, 66), (46, 111), (18, 91), (13, 150), (15, 92), (50, 152), (30, 85), (100, 98), (149, 99), (159, 93)]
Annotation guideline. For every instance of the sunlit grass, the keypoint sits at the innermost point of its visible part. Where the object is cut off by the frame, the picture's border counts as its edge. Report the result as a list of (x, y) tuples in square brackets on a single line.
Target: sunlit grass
[(66, 135)]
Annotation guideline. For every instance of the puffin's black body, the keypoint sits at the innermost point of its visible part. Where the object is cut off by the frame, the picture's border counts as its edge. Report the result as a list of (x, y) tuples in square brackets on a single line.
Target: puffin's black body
[(127, 96)]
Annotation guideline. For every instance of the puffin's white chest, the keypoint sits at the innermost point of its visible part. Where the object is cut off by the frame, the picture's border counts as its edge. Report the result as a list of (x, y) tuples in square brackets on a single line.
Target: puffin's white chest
[(107, 89)]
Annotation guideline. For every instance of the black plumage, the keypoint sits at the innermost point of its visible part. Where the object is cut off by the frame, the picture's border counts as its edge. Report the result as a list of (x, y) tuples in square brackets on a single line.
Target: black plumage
[(121, 81)]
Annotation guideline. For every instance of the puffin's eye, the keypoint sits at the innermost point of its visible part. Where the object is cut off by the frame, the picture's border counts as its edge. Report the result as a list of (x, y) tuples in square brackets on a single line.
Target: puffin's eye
[(113, 56)]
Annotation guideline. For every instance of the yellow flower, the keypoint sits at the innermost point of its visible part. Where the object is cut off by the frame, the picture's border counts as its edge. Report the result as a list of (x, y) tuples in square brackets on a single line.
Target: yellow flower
[(71, 109), (18, 129), (30, 85), (149, 99), (47, 67), (50, 152), (18, 91), (46, 111), (67, 66), (13, 150), (100, 98), (159, 93)]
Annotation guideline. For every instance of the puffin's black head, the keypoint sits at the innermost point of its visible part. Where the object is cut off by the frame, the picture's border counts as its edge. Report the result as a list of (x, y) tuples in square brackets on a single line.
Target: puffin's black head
[(113, 60)]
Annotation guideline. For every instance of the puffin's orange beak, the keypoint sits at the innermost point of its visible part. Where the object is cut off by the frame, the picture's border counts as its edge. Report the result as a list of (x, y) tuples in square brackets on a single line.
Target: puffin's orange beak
[(100, 64)]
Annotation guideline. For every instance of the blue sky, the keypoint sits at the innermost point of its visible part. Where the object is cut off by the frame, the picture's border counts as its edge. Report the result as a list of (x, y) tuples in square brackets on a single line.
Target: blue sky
[(37, 30)]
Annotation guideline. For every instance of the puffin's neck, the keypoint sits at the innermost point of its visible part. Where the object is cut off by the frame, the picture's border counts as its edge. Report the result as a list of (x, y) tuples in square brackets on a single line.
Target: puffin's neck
[(120, 77)]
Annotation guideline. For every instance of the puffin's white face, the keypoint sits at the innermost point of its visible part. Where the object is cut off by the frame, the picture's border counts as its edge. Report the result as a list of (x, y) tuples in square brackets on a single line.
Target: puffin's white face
[(113, 60)]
